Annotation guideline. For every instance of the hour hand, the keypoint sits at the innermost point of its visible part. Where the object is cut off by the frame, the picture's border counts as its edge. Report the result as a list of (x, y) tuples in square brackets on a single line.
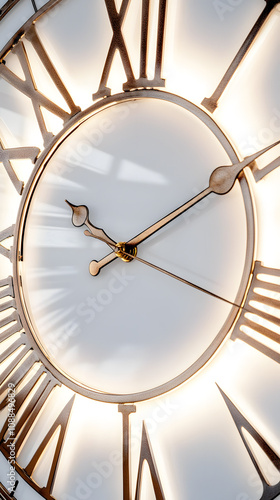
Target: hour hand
[(80, 217)]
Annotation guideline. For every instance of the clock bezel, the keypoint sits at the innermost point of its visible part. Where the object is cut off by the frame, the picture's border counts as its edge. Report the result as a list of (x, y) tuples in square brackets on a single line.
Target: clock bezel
[(39, 167)]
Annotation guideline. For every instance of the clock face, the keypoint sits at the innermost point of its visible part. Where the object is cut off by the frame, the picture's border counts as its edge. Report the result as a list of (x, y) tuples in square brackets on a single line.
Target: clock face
[(139, 247), (122, 342)]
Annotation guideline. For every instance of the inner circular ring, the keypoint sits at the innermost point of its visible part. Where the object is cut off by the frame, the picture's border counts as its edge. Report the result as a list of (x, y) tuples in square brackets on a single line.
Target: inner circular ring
[(142, 395)]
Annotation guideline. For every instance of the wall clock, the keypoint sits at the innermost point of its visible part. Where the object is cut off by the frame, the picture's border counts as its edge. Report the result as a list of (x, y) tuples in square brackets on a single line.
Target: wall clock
[(139, 250)]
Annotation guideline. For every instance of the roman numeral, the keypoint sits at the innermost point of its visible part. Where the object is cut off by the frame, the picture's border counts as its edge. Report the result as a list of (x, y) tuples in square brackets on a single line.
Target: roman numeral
[(6, 287), (23, 429), (118, 43), (6, 233), (270, 492), (5, 305), (157, 80), (126, 410), (259, 174), (28, 86), (34, 386), (11, 328), (45, 383), (211, 103), (10, 324), (60, 423), (6, 155), (262, 303), (146, 454), (7, 291)]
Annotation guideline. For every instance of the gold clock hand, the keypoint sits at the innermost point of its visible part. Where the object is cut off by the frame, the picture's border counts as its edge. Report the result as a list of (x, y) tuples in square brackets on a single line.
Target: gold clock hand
[(122, 249), (89, 233), (221, 182), (168, 218), (81, 216), (96, 266), (175, 276)]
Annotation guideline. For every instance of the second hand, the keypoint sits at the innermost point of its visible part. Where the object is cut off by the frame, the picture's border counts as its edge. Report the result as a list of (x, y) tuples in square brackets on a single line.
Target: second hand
[(175, 276), (168, 273)]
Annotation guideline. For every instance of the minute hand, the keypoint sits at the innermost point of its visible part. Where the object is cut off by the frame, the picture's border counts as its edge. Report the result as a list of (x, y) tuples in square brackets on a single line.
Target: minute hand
[(221, 182), (168, 218)]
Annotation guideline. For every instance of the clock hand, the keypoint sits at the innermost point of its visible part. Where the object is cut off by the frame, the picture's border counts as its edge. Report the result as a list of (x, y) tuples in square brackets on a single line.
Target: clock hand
[(95, 266), (94, 270), (175, 276), (221, 182), (123, 250), (80, 217), (89, 233)]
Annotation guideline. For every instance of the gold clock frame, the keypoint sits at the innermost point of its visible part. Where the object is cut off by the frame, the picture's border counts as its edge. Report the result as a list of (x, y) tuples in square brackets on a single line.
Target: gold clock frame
[(41, 164)]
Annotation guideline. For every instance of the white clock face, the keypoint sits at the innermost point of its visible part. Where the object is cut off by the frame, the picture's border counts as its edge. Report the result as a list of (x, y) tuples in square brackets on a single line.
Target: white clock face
[(132, 328)]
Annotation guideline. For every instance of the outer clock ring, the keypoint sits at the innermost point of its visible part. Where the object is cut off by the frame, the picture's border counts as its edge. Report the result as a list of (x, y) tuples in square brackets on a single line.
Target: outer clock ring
[(19, 235), (8, 7)]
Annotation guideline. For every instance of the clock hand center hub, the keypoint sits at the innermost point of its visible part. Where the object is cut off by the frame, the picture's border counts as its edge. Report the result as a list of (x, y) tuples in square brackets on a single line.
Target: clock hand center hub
[(125, 251)]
